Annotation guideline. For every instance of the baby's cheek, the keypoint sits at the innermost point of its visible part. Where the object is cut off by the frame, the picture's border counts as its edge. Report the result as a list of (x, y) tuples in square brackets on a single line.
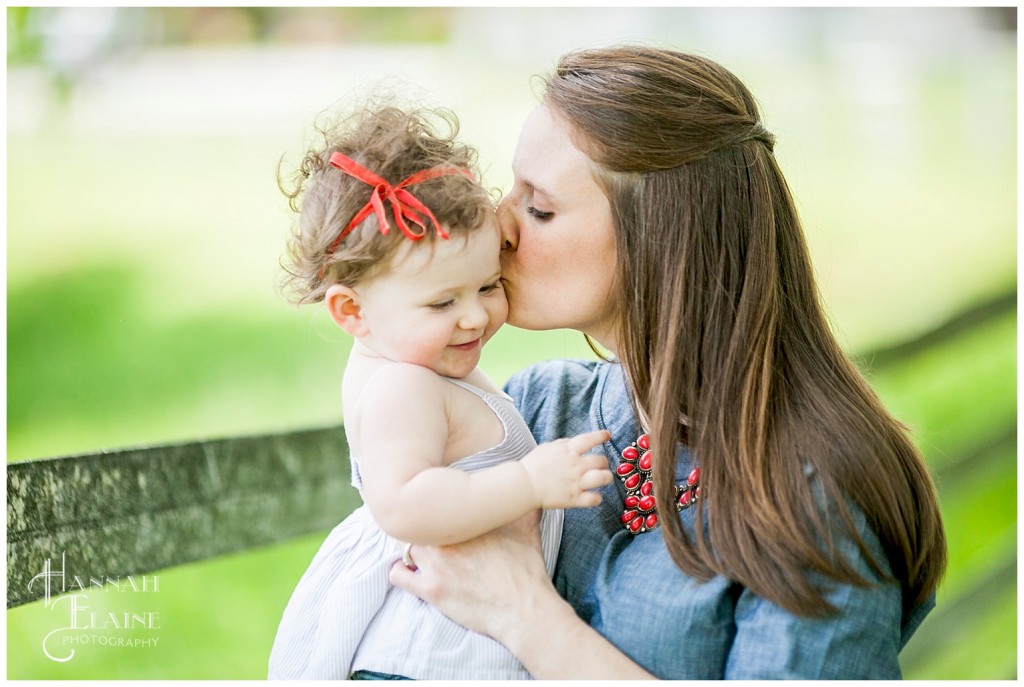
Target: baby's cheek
[(499, 312), (496, 322), (422, 350)]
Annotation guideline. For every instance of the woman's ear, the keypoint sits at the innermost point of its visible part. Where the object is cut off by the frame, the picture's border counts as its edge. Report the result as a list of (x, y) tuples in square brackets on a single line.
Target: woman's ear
[(343, 304)]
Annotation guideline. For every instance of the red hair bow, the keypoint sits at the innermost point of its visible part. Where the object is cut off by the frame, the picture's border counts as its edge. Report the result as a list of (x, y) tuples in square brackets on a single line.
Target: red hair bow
[(405, 205)]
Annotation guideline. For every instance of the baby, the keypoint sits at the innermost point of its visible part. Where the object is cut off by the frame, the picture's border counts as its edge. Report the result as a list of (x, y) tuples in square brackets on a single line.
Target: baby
[(399, 240)]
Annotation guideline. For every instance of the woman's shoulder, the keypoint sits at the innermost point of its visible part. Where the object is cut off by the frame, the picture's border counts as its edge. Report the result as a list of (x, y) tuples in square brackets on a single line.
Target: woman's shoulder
[(558, 372), (563, 379)]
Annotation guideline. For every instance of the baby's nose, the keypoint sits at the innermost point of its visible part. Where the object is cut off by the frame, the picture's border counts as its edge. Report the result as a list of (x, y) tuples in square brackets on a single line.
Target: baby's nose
[(475, 317)]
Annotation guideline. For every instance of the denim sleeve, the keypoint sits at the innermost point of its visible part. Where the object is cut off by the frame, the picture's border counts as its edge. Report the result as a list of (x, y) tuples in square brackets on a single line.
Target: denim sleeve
[(861, 641)]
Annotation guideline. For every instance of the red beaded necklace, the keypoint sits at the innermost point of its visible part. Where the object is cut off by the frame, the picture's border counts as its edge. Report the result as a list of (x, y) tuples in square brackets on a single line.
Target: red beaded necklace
[(640, 513)]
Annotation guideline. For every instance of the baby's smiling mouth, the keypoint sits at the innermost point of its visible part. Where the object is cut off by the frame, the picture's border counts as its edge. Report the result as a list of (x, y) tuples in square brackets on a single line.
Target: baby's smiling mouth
[(469, 345)]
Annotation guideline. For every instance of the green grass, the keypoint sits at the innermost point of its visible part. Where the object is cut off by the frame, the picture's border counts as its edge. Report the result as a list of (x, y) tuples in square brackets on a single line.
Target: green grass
[(956, 396), (111, 375), (217, 622), (991, 653)]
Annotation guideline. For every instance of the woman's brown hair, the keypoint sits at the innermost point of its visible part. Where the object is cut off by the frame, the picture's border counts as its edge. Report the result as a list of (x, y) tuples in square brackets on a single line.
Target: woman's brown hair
[(721, 326)]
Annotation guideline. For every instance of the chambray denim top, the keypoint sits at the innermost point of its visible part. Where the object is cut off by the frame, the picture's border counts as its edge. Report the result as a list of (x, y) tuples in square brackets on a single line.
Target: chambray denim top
[(629, 590)]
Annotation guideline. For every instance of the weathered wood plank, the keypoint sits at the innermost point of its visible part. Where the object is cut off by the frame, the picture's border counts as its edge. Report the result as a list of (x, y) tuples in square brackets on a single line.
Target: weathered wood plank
[(135, 511)]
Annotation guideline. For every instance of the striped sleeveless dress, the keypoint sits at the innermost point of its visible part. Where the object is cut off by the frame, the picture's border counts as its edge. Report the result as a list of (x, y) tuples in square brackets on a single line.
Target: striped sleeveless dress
[(344, 614)]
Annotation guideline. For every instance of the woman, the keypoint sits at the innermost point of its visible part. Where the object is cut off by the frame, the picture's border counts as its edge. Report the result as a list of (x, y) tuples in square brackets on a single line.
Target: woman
[(649, 213)]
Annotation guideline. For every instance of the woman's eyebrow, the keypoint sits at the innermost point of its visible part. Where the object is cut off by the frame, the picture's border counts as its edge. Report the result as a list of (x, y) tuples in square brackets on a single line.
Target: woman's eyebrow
[(533, 186)]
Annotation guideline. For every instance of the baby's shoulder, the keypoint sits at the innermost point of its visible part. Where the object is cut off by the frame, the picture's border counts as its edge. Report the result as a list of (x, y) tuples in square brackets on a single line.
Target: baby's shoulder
[(398, 397), (400, 383)]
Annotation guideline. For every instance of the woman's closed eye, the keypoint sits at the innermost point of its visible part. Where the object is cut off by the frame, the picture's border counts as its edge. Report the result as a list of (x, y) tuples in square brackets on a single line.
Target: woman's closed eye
[(541, 215)]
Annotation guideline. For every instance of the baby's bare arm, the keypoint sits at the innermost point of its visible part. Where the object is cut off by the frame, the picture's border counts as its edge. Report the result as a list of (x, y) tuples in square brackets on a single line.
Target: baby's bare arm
[(414, 498)]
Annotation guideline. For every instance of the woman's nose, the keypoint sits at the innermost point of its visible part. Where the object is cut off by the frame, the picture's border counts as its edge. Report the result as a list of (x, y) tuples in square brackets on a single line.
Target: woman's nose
[(507, 224)]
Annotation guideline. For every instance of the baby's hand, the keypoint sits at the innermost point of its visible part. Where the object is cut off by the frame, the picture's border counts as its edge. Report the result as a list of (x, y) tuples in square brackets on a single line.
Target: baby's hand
[(562, 472)]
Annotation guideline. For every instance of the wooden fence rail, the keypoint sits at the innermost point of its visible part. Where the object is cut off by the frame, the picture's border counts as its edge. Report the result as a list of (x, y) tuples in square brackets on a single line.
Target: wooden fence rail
[(139, 510)]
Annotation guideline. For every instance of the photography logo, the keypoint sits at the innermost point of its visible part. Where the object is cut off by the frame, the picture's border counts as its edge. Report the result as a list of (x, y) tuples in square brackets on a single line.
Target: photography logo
[(65, 595)]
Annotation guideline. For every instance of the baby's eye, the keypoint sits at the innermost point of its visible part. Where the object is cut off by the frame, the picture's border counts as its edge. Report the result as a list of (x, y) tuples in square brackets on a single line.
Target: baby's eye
[(443, 305), (539, 214), (491, 288)]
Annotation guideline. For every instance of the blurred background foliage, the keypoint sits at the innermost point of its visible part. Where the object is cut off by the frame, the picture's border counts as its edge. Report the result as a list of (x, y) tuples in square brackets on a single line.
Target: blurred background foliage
[(145, 229)]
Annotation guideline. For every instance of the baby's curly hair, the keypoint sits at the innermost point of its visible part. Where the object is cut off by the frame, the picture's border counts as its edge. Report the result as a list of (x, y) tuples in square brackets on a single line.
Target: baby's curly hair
[(393, 143)]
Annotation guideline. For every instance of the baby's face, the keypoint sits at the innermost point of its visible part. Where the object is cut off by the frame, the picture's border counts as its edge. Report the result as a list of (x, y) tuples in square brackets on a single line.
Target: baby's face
[(438, 305)]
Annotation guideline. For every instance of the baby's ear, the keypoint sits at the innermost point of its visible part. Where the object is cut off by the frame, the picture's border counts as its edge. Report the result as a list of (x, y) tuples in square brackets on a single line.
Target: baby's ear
[(343, 304)]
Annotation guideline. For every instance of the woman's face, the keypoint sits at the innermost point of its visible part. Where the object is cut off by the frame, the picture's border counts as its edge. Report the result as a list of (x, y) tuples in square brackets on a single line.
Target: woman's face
[(558, 258)]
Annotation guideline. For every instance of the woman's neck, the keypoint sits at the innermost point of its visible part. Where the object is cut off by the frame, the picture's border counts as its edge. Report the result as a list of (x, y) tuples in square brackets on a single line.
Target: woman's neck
[(606, 339)]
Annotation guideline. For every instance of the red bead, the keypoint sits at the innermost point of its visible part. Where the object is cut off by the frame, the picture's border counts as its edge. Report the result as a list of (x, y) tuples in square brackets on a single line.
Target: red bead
[(641, 512), (694, 477)]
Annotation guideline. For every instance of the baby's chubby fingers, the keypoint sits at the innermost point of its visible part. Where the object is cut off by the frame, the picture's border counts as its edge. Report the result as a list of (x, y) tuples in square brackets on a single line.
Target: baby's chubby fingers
[(587, 499), (581, 443), (594, 461), (592, 479), (596, 472), (561, 471)]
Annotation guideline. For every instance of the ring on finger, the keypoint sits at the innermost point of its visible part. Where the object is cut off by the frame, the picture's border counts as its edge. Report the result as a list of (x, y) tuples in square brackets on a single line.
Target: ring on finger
[(407, 558)]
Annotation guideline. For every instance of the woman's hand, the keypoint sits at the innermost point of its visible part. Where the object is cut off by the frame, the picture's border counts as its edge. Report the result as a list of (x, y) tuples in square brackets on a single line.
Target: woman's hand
[(497, 585), (485, 584)]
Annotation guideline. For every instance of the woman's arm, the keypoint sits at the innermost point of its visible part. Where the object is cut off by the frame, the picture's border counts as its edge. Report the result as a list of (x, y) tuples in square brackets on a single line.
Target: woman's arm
[(497, 585), (403, 429), (860, 641)]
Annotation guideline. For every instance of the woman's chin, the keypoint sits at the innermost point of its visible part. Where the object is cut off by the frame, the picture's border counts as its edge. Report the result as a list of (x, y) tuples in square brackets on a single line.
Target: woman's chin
[(523, 321)]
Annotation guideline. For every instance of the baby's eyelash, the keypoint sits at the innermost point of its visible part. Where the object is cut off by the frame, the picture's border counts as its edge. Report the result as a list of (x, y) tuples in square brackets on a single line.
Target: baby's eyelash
[(491, 287), (539, 214), (441, 306)]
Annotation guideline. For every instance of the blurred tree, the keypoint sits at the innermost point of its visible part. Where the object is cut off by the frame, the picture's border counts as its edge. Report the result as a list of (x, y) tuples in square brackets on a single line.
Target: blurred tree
[(71, 42), (24, 46)]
